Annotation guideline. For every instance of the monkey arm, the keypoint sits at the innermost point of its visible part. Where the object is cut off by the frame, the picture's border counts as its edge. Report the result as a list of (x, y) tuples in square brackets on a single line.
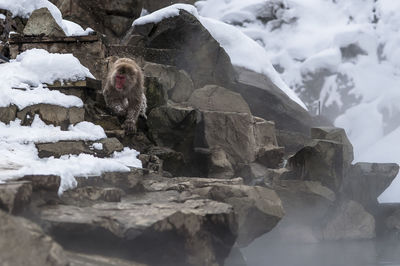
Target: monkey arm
[(114, 102), (133, 114)]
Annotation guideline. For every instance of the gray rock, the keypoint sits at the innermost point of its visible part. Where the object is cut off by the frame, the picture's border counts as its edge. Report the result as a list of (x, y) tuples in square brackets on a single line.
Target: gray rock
[(365, 182), (219, 165), (339, 135), (52, 114), (206, 61), (49, 183), (173, 162), (349, 221), (8, 114), (154, 230), (153, 5), (80, 259), (271, 156), (176, 83), (86, 196), (156, 94), (15, 196), (266, 100), (216, 98), (58, 149), (24, 243), (42, 22), (322, 161)]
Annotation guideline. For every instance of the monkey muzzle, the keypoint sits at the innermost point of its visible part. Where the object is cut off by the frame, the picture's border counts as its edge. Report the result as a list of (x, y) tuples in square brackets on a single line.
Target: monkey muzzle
[(120, 82)]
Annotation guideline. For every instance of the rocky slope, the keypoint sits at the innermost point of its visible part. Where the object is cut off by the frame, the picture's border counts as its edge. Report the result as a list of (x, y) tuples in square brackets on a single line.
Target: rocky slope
[(226, 155)]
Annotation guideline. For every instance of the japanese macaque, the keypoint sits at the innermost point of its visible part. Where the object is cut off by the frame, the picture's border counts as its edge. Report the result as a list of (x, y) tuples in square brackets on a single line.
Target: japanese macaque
[(124, 92)]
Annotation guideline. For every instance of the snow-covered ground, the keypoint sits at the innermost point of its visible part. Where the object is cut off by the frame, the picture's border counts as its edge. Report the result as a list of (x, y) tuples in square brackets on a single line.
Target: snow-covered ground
[(18, 154)]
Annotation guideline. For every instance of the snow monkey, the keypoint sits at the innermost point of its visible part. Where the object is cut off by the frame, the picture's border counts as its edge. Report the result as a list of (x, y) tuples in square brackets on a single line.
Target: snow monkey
[(124, 92)]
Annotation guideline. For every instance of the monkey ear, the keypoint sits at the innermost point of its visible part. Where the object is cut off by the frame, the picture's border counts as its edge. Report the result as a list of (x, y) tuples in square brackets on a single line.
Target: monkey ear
[(111, 61)]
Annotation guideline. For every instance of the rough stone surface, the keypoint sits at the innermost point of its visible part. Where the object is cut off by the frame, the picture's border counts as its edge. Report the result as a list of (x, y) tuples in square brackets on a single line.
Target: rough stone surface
[(187, 231), (153, 5), (8, 114), (206, 61), (365, 182), (258, 209), (43, 182), (80, 259), (216, 98), (176, 83), (349, 221), (109, 17), (58, 149), (322, 161), (266, 100), (85, 196), (41, 22), (24, 243), (15, 196), (339, 135), (52, 114)]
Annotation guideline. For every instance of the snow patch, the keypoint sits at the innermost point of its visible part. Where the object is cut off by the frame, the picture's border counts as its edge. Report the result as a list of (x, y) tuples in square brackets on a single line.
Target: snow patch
[(167, 12)]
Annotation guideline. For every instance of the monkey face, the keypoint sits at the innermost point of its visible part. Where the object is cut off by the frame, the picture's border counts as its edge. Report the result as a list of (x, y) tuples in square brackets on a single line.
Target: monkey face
[(120, 80)]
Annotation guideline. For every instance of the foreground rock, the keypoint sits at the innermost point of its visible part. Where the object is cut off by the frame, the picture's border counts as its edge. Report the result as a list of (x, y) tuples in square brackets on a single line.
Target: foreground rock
[(24, 243), (187, 231), (258, 209), (349, 221), (365, 182), (41, 22)]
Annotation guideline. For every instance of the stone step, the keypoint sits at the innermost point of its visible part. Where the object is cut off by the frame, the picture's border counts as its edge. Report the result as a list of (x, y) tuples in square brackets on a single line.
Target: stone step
[(102, 148), (81, 88), (52, 114)]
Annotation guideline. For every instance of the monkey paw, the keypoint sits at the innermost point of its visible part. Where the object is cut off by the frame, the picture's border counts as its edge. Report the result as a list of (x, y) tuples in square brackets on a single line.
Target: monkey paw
[(129, 126)]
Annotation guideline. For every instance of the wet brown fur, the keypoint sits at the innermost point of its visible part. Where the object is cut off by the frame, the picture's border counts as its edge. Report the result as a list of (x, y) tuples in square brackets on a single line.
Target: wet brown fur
[(130, 100)]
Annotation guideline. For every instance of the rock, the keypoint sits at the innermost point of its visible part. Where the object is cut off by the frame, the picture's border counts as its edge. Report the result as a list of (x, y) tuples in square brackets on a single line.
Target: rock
[(43, 182), (365, 182), (79, 259), (266, 100), (85, 196), (151, 162), (219, 165), (258, 209), (24, 243), (264, 132), (349, 221), (8, 114), (152, 230), (339, 135), (129, 182), (153, 5), (42, 22), (112, 18), (106, 147), (260, 175), (15, 196), (176, 83), (52, 114), (173, 162), (322, 161), (292, 141), (306, 205), (206, 61), (271, 156), (155, 93), (216, 98)]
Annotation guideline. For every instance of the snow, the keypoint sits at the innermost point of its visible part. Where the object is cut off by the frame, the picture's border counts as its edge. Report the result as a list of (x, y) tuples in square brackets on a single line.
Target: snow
[(170, 11), (33, 68), (360, 91), (18, 153), (242, 50), (3, 17), (98, 146), (24, 8)]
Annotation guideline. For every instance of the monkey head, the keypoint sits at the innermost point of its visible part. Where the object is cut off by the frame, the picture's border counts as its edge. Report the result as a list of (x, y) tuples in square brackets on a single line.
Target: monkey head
[(123, 77)]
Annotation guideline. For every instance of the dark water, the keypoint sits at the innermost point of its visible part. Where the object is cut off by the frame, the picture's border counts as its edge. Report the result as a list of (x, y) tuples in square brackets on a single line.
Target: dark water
[(264, 252)]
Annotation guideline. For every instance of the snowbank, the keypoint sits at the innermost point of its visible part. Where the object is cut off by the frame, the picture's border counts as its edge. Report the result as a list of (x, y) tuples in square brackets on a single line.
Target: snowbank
[(33, 68), (24, 8)]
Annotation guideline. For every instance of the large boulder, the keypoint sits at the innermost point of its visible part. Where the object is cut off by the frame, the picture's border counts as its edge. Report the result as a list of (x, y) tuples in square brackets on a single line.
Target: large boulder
[(266, 100), (365, 182), (42, 22), (109, 17), (321, 160), (196, 51), (349, 221), (24, 243), (15, 196), (153, 5), (159, 228)]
